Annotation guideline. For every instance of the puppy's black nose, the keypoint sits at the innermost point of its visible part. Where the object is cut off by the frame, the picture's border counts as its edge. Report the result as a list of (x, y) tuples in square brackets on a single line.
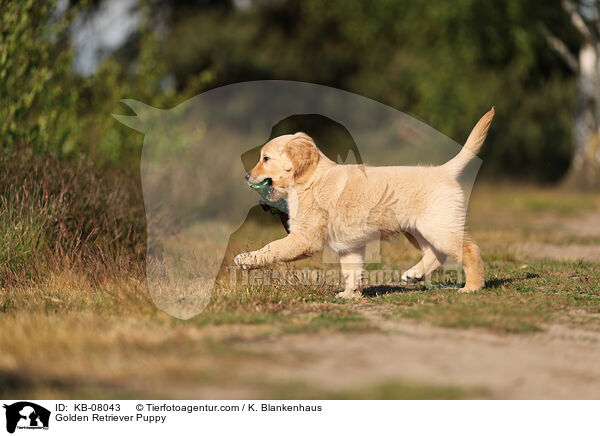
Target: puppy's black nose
[(247, 176)]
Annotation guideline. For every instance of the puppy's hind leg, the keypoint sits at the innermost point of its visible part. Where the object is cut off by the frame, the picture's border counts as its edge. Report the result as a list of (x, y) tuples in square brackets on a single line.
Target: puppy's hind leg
[(458, 244), (473, 266), (461, 247), (352, 263)]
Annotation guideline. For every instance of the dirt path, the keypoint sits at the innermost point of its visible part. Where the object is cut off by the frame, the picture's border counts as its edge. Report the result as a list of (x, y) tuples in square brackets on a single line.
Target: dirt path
[(583, 226), (569, 252), (559, 363)]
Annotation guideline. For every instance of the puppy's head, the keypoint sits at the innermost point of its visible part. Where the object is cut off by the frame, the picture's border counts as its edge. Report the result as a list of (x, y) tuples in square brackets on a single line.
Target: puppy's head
[(287, 160)]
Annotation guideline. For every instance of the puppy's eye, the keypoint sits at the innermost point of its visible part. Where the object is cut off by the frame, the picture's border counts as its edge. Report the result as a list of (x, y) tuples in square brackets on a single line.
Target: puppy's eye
[(266, 158)]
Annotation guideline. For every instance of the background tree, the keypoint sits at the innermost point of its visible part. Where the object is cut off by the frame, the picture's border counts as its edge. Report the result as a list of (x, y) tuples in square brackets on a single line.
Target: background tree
[(585, 63)]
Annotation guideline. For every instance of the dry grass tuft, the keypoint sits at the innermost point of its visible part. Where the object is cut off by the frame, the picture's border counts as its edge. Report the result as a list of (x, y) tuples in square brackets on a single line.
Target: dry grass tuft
[(56, 214)]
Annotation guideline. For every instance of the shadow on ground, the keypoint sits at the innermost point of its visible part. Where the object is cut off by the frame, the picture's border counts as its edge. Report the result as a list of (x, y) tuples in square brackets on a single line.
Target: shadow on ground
[(375, 291)]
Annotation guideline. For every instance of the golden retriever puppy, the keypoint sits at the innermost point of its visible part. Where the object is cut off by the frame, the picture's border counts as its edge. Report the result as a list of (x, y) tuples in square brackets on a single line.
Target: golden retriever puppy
[(346, 206)]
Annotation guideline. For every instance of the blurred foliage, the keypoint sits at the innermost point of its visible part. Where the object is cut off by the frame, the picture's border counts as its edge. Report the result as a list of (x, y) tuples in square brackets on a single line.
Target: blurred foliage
[(35, 61), (48, 108), (445, 62)]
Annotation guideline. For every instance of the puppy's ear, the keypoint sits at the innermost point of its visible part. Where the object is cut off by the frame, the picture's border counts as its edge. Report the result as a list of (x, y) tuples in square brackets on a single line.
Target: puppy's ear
[(303, 153)]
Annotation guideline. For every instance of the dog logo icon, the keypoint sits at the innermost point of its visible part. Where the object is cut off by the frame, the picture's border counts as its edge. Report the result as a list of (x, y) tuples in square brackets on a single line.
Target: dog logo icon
[(26, 415)]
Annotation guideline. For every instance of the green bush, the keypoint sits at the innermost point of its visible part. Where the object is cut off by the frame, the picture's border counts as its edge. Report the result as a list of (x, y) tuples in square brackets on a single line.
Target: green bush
[(46, 107), (38, 110)]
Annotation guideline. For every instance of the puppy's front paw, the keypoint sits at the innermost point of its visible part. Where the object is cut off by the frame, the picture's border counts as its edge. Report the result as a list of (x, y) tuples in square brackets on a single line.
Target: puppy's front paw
[(467, 289), (411, 277), (243, 260), (349, 295)]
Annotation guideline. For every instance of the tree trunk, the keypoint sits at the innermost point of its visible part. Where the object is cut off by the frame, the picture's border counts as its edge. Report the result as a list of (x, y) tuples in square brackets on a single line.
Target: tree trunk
[(585, 164)]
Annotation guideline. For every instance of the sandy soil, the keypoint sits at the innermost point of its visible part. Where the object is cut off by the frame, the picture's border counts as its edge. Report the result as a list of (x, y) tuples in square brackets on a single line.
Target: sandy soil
[(569, 252), (586, 225), (559, 363)]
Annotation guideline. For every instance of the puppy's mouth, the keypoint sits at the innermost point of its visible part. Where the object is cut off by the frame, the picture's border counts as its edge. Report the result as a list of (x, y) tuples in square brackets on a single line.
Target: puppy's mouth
[(265, 188), (273, 198)]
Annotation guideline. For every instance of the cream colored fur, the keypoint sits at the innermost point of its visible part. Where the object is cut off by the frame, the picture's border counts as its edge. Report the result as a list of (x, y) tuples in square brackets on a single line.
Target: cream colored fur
[(346, 206)]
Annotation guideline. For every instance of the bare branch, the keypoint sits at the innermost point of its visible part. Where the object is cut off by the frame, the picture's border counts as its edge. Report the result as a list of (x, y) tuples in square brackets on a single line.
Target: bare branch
[(560, 47), (578, 20)]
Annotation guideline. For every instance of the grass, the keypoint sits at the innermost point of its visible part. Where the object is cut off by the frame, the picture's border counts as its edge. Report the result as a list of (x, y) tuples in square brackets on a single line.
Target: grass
[(56, 214), (22, 234), (387, 390), (517, 299), (76, 318), (69, 338)]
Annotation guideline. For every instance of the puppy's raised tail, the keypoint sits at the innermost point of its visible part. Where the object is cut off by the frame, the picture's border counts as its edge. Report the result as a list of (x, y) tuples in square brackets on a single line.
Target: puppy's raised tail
[(471, 147)]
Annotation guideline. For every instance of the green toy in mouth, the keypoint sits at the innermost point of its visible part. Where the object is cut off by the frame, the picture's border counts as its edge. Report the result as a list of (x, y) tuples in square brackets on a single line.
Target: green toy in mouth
[(264, 188)]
